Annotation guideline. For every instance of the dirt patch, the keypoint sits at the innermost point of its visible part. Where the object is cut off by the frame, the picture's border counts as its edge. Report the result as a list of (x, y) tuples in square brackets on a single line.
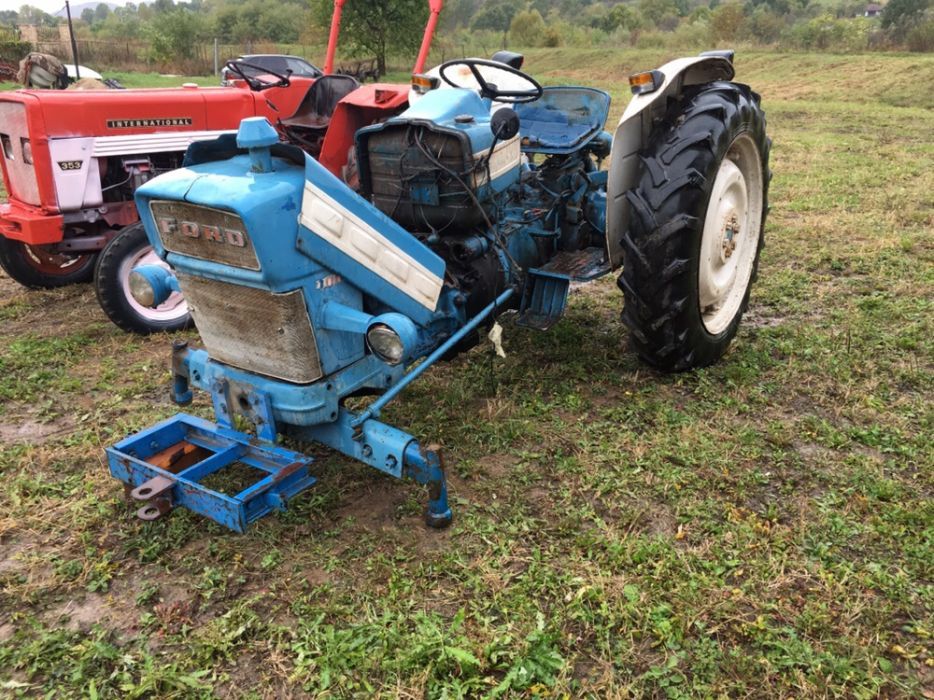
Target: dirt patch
[(811, 452), (9, 557), (32, 431), (374, 506), (757, 319), (81, 615)]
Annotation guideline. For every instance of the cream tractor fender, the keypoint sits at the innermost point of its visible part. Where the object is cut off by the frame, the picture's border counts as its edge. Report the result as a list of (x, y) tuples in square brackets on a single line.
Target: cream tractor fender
[(634, 129)]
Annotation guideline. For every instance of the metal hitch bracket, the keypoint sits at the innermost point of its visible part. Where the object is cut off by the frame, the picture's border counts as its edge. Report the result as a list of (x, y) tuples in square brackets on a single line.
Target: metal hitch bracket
[(166, 466)]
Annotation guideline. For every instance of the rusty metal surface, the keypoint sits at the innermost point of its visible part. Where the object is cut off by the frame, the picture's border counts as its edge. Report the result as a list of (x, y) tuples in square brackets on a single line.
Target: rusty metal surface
[(579, 265), (153, 488), (157, 493), (204, 233), (155, 509), (254, 329)]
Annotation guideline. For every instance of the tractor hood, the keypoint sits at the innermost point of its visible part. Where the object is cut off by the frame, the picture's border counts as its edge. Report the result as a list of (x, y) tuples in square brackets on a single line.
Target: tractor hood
[(123, 114), (265, 243)]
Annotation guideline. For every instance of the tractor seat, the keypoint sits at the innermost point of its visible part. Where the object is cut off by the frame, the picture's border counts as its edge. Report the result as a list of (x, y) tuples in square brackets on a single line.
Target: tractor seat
[(318, 104), (562, 119)]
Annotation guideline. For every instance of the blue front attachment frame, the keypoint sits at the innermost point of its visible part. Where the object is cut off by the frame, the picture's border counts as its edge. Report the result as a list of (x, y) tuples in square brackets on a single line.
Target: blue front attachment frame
[(179, 454)]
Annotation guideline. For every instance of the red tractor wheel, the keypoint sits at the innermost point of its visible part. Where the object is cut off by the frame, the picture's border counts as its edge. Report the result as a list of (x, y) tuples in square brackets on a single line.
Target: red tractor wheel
[(39, 267)]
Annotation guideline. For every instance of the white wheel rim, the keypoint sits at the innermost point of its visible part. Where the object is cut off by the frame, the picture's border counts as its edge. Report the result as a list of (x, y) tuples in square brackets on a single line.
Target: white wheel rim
[(172, 309), (731, 234)]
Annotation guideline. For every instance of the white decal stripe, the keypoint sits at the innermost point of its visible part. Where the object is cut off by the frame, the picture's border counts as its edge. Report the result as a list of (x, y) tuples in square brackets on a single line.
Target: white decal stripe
[(151, 143), (364, 244)]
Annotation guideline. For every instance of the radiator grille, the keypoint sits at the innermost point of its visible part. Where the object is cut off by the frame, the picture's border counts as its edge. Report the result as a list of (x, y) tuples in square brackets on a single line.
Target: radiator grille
[(204, 233), (254, 329), (14, 128)]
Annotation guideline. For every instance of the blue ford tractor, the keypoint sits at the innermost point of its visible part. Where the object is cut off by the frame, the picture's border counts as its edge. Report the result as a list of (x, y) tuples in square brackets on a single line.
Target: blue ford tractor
[(487, 194)]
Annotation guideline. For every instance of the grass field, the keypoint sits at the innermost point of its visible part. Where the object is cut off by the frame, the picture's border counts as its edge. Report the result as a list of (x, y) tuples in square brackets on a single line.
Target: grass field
[(762, 528)]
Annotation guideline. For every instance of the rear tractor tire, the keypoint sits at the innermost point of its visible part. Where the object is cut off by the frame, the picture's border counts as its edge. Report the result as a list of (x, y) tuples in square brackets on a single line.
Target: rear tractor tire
[(125, 251), (38, 267), (696, 228)]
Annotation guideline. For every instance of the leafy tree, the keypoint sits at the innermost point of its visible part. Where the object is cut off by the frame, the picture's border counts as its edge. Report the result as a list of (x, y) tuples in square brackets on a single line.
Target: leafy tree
[(87, 15), (175, 34), (379, 27), (162, 6), (726, 21), (256, 20), (527, 28), (622, 16), (495, 16), (765, 25), (119, 25), (458, 13), (921, 37), (33, 15), (655, 10), (899, 16)]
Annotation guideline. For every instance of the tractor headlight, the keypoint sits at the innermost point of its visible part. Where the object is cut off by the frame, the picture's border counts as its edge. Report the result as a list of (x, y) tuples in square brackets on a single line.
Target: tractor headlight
[(151, 285), (141, 289), (27, 151), (386, 343)]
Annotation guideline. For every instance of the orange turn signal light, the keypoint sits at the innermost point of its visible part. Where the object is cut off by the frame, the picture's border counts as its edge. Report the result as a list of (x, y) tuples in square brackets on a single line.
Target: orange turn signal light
[(649, 81)]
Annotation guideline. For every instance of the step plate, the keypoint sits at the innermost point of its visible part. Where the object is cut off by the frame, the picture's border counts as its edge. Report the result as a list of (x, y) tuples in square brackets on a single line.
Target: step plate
[(579, 265)]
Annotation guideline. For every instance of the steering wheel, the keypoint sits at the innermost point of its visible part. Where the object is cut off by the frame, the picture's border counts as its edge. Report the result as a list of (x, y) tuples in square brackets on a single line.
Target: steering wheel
[(254, 82), (490, 90)]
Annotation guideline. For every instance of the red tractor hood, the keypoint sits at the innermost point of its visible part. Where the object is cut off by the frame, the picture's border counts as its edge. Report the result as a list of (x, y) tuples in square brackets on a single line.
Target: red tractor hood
[(66, 113)]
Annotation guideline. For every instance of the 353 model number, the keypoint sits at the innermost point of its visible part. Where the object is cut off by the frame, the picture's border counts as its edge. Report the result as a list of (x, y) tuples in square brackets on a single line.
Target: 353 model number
[(69, 164)]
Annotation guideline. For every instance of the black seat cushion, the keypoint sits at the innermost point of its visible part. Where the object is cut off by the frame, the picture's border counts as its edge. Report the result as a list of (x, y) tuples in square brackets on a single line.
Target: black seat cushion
[(320, 101)]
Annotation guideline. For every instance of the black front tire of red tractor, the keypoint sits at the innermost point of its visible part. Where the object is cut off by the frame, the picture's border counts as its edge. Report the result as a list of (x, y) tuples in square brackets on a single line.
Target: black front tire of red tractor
[(713, 138), (37, 268), (127, 249)]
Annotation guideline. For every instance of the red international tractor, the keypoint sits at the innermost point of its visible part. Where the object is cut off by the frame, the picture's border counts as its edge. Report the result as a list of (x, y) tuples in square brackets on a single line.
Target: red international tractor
[(72, 160)]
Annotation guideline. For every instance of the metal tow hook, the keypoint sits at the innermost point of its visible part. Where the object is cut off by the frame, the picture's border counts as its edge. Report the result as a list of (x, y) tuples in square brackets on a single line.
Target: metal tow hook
[(157, 496)]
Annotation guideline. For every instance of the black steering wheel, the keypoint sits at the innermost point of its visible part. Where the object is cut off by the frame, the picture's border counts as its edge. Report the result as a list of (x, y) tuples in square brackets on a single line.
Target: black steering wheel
[(255, 83), (490, 90)]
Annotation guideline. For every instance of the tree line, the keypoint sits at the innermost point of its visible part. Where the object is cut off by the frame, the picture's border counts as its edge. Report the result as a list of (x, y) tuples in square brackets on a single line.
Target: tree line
[(384, 28)]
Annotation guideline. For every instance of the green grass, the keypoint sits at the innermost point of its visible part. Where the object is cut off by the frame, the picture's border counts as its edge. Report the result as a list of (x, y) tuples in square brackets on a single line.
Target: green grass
[(761, 528)]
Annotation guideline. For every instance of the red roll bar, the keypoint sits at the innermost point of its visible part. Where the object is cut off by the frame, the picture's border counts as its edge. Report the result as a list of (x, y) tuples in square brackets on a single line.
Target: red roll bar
[(434, 9)]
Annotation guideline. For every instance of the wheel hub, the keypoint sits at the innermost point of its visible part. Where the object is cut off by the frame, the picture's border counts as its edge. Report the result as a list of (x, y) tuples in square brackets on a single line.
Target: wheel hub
[(731, 235), (728, 240)]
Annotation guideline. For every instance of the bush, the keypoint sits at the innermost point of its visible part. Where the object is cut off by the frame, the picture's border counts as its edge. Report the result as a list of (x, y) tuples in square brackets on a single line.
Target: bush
[(726, 22), (552, 38), (765, 26), (921, 37), (826, 33), (14, 51), (527, 28)]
